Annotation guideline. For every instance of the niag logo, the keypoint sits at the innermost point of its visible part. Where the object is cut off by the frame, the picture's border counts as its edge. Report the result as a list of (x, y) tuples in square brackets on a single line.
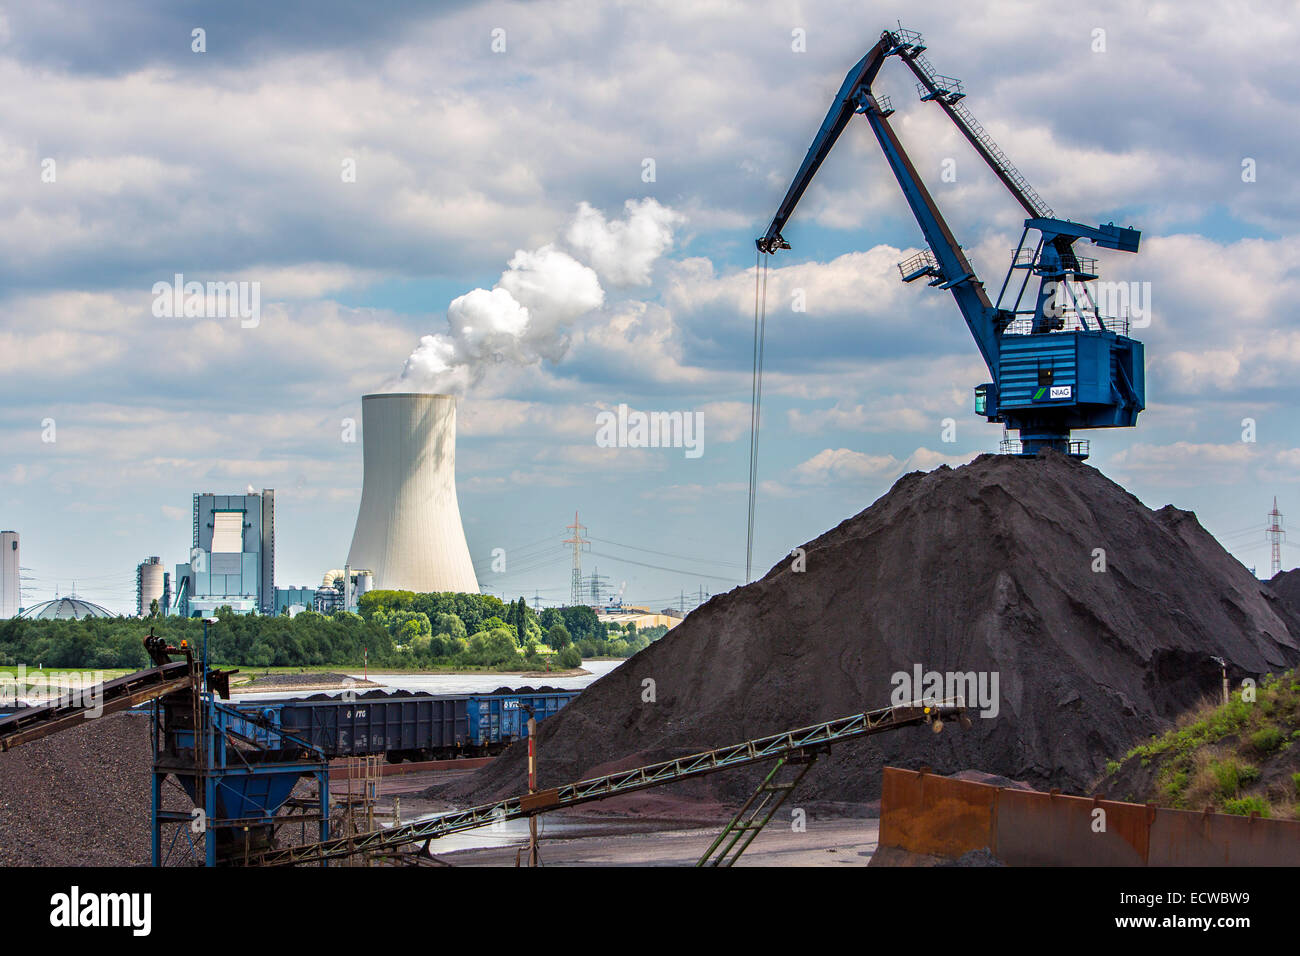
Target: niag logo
[(1054, 393)]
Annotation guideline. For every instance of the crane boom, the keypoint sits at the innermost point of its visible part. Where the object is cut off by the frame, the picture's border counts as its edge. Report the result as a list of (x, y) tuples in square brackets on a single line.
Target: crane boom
[(1057, 364), (842, 109)]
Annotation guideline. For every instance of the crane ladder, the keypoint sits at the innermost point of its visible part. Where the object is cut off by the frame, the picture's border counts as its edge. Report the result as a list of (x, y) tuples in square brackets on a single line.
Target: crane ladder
[(746, 753), (948, 93)]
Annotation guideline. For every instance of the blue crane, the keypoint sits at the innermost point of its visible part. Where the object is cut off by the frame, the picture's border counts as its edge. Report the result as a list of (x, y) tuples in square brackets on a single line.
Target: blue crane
[(1058, 363)]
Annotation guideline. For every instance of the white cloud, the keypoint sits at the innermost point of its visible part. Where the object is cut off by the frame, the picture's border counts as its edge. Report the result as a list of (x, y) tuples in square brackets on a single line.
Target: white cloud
[(460, 166), (926, 459), (843, 464)]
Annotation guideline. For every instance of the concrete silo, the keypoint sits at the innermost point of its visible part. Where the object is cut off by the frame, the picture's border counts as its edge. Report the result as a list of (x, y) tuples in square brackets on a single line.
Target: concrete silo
[(408, 526), (10, 577), (148, 585)]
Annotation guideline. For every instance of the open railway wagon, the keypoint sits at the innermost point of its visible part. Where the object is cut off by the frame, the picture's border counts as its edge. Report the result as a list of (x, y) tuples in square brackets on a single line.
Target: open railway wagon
[(412, 726)]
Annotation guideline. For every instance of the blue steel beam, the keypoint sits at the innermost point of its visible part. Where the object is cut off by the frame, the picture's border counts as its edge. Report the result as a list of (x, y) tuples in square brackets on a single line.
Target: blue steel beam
[(842, 109)]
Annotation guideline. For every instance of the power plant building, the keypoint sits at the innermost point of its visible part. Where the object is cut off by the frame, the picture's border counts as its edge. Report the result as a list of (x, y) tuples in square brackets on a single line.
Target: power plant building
[(408, 530), (10, 588), (340, 590), (232, 556)]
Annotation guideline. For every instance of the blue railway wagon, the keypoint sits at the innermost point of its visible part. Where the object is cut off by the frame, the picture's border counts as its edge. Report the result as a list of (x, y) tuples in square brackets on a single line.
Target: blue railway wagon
[(408, 726), (497, 717), (412, 727)]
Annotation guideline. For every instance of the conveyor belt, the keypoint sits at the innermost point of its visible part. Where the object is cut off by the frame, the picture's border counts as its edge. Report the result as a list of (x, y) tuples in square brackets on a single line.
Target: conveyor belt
[(626, 781), (109, 697)]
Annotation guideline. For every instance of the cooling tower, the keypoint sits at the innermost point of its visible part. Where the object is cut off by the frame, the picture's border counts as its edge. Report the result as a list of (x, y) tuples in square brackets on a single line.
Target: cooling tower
[(408, 527)]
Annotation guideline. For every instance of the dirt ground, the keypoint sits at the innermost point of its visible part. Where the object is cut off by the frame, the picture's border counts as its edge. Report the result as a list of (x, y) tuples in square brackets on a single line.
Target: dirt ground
[(828, 843)]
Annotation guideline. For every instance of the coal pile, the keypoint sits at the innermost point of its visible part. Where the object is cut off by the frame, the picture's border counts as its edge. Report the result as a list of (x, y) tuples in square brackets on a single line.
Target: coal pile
[(403, 694), (1286, 585), (994, 568), (527, 689)]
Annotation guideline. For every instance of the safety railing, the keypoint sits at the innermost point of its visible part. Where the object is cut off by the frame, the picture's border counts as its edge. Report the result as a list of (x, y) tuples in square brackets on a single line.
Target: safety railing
[(1025, 258), (1074, 447), (921, 264), (1073, 322)]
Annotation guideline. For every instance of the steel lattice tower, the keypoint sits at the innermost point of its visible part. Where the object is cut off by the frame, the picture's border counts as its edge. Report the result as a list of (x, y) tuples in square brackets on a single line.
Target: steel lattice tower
[(1275, 535), (577, 540)]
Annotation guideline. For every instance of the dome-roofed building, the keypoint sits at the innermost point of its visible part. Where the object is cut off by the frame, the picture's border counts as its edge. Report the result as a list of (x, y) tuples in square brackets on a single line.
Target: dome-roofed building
[(71, 608)]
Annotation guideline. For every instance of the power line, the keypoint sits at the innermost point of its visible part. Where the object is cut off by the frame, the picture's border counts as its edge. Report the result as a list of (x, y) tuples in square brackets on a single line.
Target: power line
[(666, 554), (660, 567)]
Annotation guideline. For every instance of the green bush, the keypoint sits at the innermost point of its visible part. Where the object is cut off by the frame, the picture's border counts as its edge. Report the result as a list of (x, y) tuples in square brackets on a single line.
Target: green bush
[(1244, 806), (1266, 740), (570, 657)]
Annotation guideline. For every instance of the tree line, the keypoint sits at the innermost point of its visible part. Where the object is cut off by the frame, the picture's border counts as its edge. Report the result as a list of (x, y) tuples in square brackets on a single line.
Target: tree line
[(393, 629)]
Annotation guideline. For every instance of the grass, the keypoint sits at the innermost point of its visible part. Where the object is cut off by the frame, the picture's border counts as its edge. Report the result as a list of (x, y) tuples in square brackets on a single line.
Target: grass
[(247, 673), (1217, 754)]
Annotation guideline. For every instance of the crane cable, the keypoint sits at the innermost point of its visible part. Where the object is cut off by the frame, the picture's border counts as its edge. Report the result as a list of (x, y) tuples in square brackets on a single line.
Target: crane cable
[(756, 399)]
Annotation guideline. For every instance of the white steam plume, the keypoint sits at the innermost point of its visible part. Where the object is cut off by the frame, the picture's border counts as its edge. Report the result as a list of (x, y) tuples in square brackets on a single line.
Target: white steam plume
[(623, 252), (526, 316)]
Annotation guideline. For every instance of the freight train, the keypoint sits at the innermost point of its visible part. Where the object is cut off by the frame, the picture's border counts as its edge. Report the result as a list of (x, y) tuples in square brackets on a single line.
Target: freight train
[(410, 726)]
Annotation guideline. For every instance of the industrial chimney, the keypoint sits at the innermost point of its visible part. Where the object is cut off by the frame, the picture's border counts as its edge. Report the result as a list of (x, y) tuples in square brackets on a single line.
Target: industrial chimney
[(408, 527)]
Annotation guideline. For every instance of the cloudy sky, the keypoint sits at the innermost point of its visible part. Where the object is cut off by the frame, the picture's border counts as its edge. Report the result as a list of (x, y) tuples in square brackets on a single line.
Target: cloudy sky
[(459, 195)]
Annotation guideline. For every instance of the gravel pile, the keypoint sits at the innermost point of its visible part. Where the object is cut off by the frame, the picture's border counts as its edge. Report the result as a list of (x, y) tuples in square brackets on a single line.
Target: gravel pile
[(79, 797), (267, 682), (995, 568)]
